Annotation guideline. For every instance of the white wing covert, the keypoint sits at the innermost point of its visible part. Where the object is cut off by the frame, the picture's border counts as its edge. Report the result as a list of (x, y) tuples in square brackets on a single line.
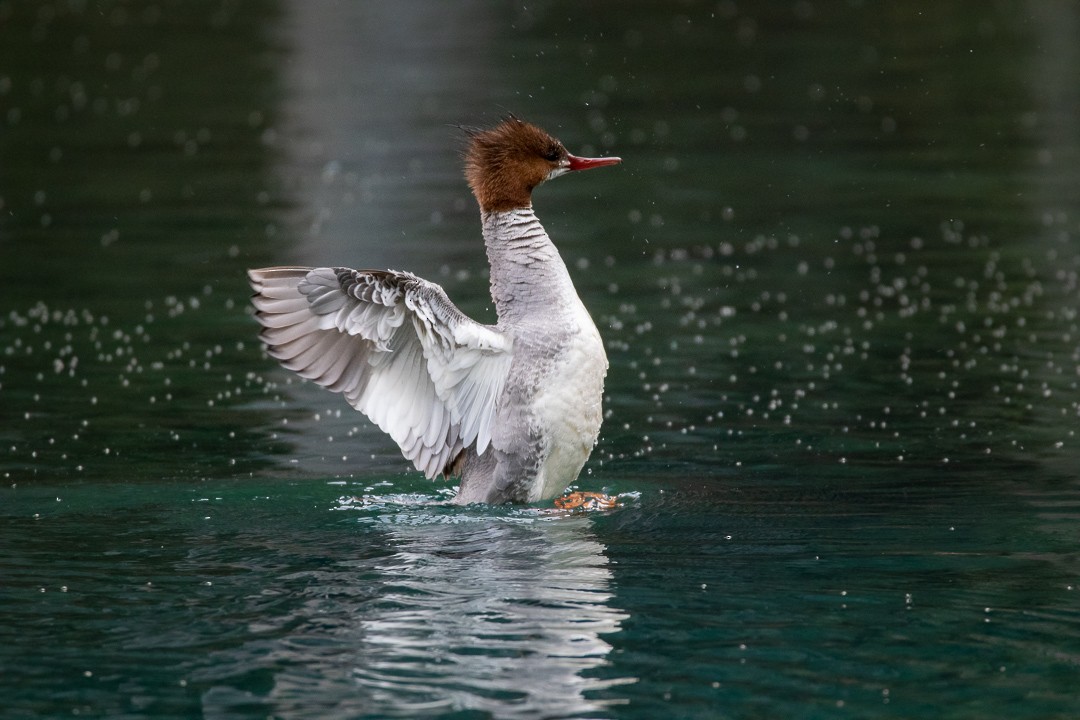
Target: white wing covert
[(396, 347)]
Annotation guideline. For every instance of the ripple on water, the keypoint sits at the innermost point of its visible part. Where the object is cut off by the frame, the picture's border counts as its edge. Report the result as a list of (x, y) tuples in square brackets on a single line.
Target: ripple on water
[(488, 610)]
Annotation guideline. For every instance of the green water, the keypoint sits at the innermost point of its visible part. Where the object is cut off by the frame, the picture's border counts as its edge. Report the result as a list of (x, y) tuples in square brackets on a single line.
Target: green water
[(838, 275)]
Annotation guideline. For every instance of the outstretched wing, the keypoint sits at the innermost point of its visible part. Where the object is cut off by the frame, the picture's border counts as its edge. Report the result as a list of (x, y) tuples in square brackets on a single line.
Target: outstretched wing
[(395, 346)]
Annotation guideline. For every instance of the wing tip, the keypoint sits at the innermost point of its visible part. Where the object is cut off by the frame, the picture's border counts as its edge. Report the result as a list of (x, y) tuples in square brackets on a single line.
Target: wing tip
[(260, 276)]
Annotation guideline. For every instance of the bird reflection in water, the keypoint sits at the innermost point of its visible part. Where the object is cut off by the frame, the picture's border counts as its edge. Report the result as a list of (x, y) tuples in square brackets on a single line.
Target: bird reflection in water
[(503, 615)]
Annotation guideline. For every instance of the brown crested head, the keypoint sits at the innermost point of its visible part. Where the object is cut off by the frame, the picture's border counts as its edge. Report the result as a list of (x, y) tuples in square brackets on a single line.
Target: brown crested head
[(504, 164)]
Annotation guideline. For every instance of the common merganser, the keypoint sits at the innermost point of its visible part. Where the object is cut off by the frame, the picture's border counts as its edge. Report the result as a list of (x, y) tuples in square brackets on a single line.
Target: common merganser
[(513, 408)]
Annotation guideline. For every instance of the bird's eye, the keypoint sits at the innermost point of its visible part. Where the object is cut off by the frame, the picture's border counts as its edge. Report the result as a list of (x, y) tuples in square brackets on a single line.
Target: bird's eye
[(552, 154)]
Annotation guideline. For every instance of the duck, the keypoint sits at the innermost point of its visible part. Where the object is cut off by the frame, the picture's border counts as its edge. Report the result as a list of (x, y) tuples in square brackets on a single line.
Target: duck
[(512, 409)]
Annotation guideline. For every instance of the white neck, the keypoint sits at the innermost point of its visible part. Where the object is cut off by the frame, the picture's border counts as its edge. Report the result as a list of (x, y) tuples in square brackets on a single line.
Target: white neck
[(529, 281)]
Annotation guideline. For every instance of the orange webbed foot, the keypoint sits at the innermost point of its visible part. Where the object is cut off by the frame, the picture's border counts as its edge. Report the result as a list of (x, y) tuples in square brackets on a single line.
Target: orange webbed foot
[(585, 501)]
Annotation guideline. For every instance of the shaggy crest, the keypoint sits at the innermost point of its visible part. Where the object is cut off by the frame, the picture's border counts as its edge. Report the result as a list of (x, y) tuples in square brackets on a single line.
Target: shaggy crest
[(504, 164)]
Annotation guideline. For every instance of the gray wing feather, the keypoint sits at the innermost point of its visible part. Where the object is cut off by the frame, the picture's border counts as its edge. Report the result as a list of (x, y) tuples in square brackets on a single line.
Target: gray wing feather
[(396, 347)]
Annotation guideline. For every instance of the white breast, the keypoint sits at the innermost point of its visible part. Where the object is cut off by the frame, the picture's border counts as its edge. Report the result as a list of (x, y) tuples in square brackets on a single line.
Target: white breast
[(568, 411)]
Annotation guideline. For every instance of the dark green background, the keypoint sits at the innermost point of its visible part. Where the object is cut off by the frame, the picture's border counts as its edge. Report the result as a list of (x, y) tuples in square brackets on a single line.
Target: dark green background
[(838, 275)]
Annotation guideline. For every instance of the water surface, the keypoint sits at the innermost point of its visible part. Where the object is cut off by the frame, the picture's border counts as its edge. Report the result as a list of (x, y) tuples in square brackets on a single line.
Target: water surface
[(837, 276)]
